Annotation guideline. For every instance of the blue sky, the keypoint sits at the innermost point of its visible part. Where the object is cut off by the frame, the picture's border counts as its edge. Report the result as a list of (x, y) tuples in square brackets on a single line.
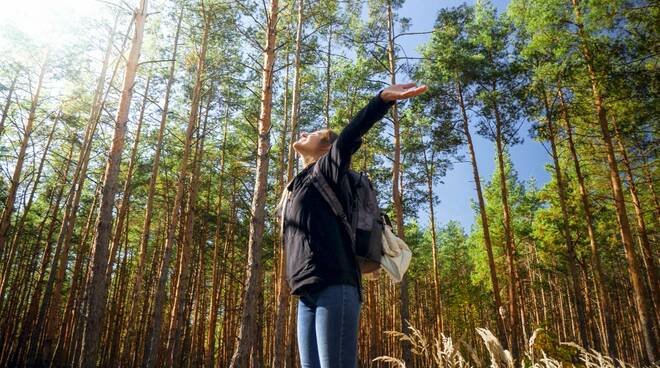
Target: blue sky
[(457, 190)]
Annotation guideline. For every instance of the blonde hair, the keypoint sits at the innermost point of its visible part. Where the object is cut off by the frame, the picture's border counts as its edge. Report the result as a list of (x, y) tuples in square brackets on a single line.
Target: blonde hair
[(328, 136)]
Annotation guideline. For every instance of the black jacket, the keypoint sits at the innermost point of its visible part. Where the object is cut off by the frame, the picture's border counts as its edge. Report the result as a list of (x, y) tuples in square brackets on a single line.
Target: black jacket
[(318, 250)]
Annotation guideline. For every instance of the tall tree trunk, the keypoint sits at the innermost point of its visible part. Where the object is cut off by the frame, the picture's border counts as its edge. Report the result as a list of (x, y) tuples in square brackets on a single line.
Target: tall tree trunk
[(152, 348), (328, 80), (26, 210), (295, 98), (484, 219), (508, 237), (176, 335), (429, 166), (121, 223), (257, 210), (75, 293), (570, 245), (139, 296), (5, 109), (28, 319), (397, 192), (642, 300), (5, 218), (49, 310), (283, 297), (607, 317), (279, 329), (216, 287), (645, 244), (126, 193), (96, 286)]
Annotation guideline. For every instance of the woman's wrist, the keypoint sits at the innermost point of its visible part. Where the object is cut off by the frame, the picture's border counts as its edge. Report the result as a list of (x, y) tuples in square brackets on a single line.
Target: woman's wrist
[(382, 98)]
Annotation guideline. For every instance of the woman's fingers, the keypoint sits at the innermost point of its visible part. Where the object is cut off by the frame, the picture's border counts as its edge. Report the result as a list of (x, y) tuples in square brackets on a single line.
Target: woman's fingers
[(419, 90), (414, 92), (402, 91)]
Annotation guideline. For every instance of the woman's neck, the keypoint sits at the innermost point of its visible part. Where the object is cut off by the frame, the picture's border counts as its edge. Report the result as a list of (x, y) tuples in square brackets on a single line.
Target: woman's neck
[(308, 160)]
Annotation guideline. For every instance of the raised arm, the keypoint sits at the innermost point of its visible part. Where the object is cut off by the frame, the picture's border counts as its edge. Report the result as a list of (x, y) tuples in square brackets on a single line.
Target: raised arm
[(335, 163)]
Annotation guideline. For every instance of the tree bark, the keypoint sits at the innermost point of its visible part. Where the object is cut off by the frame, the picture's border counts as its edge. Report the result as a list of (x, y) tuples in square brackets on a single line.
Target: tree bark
[(570, 245), (484, 220), (396, 178), (253, 283), (607, 318), (152, 348), (295, 98), (181, 292), (645, 244), (126, 193), (5, 109), (5, 218), (6, 272), (429, 166), (96, 286), (508, 238), (49, 310), (139, 296), (216, 287), (642, 300)]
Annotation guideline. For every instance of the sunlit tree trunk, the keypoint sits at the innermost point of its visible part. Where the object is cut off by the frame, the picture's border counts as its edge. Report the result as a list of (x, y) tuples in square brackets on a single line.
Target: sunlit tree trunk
[(216, 286), (295, 94), (246, 338), (429, 166), (644, 242), (279, 337), (5, 108), (283, 297), (154, 330), (179, 320), (126, 193), (139, 296), (396, 182), (8, 210), (642, 300), (96, 285), (484, 218), (570, 245), (599, 278), (26, 210), (49, 310), (508, 238)]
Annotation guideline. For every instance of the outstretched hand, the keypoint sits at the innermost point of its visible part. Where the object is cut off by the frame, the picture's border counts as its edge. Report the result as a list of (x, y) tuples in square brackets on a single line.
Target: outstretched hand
[(402, 91)]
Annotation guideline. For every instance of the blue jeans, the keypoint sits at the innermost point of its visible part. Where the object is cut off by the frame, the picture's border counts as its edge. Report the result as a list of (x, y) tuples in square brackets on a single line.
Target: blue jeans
[(328, 327)]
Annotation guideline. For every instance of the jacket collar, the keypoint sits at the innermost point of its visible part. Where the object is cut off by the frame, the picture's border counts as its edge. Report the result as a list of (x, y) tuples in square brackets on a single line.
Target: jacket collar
[(290, 184)]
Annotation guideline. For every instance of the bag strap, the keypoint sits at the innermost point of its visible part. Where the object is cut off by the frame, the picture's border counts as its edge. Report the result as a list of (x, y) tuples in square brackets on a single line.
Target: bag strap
[(356, 209), (321, 184), (281, 207), (282, 213)]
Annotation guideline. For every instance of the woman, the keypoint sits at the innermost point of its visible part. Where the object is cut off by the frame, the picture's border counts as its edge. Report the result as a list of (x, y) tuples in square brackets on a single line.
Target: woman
[(320, 266)]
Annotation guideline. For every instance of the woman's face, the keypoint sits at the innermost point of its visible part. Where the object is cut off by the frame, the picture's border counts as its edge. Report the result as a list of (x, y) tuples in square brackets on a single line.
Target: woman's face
[(309, 143)]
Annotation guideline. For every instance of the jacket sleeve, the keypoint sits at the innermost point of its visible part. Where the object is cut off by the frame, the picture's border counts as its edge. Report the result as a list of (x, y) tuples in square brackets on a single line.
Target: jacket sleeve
[(336, 162)]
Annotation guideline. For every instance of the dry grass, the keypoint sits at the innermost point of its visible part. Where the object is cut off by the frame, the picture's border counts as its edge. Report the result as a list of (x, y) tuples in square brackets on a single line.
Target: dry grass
[(444, 353)]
